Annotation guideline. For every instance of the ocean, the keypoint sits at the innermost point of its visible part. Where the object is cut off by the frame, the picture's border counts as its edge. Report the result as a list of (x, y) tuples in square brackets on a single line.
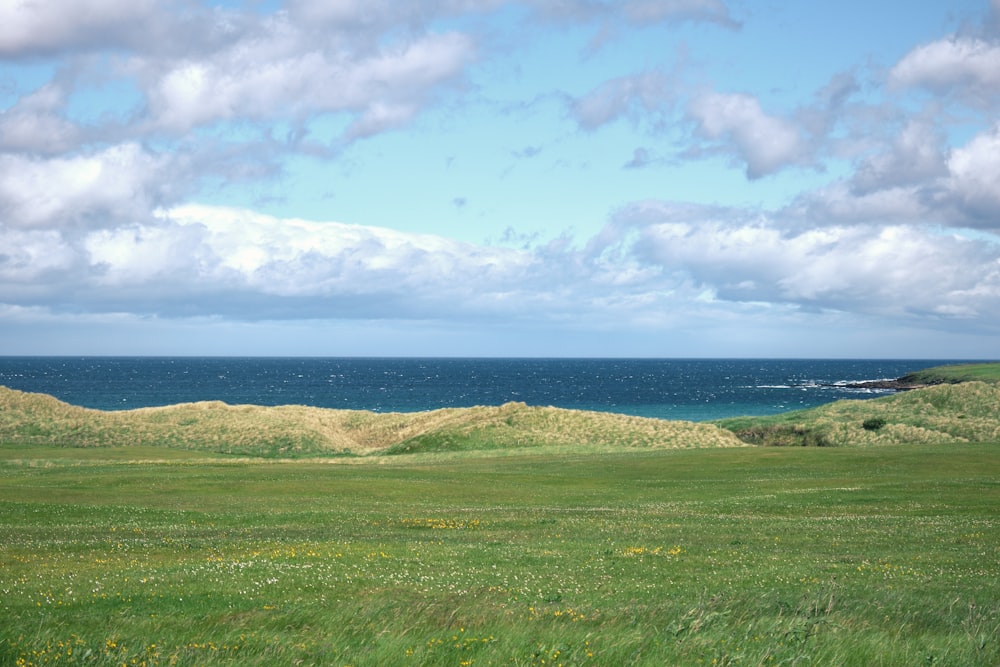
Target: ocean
[(689, 389)]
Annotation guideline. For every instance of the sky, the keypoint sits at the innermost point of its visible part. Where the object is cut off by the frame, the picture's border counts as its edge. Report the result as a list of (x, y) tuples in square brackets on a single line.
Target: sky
[(500, 178)]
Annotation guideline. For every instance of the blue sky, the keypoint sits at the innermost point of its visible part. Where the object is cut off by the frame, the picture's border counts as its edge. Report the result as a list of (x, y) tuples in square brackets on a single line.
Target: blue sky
[(667, 178)]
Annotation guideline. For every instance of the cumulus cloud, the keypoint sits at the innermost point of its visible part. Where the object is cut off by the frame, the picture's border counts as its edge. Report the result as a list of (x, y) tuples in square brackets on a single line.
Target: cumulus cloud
[(185, 258), (916, 155), (839, 203), (34, 262), (965, 66), (94, 219), (908, 167), (195, 66), (298, 257), (268, 79), (118, 184), (37, 123), (38, 28), (730, 124), (892, 271), (917, 181), (655, 263), (972, 182), (764, 143)]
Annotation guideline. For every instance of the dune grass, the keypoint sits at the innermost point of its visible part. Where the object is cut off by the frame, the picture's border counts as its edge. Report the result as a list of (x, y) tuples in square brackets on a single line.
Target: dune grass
[(940, 414), (742, 556), (943, 413), (294, 431)]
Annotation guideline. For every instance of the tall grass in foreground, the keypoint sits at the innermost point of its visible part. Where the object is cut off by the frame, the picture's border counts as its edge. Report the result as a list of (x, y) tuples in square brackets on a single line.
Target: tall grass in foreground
[(881, 556)]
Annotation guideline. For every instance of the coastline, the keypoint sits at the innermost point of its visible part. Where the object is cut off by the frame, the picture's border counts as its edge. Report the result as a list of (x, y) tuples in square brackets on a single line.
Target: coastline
[(929, 377), (899, 384), (673, 389)]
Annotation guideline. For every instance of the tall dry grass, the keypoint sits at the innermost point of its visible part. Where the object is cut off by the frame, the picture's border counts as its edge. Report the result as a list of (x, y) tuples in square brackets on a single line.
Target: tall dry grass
[(298, 431)]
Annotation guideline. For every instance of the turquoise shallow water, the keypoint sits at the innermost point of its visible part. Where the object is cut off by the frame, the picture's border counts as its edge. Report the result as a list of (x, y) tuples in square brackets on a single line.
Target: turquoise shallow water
[(695, 389)]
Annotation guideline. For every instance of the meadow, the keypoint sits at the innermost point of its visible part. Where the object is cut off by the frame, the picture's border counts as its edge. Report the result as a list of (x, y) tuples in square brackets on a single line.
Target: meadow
[(885, 553), (755, 556)]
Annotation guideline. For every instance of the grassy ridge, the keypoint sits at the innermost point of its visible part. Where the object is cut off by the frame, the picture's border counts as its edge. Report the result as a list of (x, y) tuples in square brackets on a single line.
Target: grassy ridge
[(742, 556), (957, 403), (941, 414), (954, 374), (300, 431)]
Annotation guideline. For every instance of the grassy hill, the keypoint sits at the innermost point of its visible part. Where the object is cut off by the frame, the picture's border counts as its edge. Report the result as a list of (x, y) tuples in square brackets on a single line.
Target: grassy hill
[(949, 409), (297, 431), (939, 414), (954, 374)]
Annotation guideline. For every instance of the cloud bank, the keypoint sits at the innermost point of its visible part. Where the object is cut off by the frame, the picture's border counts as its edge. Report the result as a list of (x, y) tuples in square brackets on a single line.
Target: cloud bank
[(103, 207)]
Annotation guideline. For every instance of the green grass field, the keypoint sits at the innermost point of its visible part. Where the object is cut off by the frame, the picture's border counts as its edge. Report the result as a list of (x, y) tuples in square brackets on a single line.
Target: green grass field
[(495, 546), (754, 556)]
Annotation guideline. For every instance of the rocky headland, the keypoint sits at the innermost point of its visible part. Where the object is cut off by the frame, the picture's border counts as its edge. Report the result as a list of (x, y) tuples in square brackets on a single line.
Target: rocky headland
[(955, 374), (904, 383)]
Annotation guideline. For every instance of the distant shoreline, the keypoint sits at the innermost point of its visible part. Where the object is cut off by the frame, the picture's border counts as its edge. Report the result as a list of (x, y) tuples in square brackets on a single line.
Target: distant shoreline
[(899, 384), (954, 374)]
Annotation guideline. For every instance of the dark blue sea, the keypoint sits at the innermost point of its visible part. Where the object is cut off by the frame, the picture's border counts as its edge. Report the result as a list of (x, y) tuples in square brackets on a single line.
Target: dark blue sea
[(691, 389)]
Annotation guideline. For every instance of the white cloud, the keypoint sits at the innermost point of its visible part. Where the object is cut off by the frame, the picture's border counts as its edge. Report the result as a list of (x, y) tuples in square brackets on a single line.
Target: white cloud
[(968, 66), (267, 80), (195, 65), (226, 94), (32, 27), (31, 261), (839, 202), (763, 142), (103, 189), (974, 180), (140, 256), (36, 124), (916, 182), (249, 243), (892, 271), (657, 265), (212, 260), (917, 155)]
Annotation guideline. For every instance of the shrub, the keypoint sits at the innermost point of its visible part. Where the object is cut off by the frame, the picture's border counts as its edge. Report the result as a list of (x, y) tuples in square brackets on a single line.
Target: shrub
[(783, 435), (873, 423)]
